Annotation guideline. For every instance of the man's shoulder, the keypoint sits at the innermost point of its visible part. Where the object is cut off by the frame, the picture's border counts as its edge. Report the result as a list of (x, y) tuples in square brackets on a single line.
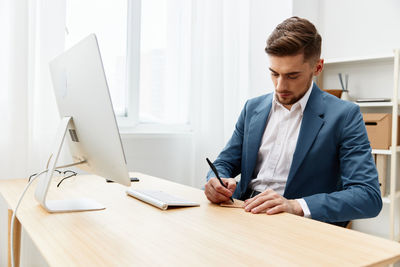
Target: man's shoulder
[(255, 102), (334, 103)]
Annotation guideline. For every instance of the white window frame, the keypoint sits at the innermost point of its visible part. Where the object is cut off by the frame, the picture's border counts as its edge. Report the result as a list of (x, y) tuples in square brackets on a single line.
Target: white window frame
[(130, 124)]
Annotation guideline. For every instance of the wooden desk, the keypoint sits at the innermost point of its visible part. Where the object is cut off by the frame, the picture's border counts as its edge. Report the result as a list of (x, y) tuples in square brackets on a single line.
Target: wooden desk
[(132, 233)]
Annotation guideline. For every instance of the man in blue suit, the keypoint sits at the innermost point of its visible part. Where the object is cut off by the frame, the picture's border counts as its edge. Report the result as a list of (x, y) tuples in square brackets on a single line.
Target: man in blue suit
[(299, 149)]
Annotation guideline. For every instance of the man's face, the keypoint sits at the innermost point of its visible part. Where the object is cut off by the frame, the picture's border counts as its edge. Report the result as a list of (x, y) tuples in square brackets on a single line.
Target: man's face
[(292, 77)]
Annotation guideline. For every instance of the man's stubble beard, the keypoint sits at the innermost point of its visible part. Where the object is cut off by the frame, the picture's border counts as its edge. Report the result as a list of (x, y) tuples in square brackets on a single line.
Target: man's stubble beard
[(295, 99)]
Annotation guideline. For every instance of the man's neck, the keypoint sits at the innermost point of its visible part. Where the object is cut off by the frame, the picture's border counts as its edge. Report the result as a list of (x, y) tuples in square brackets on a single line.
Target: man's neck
[(288, 107)]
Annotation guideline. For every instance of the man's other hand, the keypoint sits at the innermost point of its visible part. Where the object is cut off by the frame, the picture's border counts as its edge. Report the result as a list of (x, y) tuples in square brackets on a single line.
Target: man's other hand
[(217, 193), (271, 202)]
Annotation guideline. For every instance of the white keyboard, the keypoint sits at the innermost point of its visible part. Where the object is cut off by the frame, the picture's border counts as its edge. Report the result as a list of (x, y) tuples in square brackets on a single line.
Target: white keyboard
[(160, 199)]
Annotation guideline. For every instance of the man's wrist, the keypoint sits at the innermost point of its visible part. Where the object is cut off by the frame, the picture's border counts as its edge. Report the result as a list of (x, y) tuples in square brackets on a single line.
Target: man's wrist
[(304, 207), (297, 209)]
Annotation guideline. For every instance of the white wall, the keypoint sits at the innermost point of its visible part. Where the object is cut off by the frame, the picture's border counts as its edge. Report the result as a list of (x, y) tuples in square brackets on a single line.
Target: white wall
[(163, 155), (309, 9), (359, 27)]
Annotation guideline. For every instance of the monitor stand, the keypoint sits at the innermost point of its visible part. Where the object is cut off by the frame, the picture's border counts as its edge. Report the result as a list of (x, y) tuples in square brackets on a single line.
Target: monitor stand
[(71, 205)]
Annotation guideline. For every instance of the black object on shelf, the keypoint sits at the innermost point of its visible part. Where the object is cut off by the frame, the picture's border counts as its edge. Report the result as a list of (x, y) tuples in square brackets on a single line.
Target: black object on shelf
[(133, 179)]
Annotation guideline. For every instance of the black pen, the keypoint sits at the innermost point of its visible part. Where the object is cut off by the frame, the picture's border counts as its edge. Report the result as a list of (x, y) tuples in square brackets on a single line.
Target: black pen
[(216, 173)]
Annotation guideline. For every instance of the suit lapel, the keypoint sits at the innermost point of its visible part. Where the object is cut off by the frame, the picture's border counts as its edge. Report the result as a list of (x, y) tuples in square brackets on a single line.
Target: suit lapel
[(311, 125), (256, 130)]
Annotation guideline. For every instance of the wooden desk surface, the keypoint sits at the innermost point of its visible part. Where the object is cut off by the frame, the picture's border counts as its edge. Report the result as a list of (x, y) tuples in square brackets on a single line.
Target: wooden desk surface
[(132, 233)]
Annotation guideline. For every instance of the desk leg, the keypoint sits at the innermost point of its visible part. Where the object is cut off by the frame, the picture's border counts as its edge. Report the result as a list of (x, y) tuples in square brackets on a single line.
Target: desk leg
[(16, 239)]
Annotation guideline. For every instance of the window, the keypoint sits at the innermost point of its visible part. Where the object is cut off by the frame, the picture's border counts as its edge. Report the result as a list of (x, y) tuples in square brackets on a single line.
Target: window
[(145, 47), (107, 19)]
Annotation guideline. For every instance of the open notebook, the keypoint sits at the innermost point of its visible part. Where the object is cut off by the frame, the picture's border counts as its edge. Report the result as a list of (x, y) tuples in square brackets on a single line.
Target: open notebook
[(160, 199)]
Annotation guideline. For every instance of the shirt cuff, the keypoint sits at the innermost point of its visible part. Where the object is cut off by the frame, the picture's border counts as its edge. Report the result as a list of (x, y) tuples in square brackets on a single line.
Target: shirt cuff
[(304, 207)]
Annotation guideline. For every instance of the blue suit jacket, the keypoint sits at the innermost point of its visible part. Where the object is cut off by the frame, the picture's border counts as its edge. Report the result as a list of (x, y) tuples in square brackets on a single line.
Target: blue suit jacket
[(332, 167)]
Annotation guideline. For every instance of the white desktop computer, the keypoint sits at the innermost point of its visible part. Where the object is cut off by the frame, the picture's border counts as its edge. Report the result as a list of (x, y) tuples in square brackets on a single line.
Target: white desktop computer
[(87, 124), (89, 127)]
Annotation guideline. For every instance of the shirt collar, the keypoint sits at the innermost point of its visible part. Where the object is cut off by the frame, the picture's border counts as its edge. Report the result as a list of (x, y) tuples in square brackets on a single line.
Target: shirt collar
[(302, 101)]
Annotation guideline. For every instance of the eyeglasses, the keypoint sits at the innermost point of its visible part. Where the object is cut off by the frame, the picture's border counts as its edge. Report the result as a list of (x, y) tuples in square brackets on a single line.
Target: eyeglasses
[(67, 174)]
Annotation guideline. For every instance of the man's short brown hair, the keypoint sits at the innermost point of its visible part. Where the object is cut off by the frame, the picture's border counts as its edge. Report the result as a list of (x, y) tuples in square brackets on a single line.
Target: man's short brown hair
[(294, 36)]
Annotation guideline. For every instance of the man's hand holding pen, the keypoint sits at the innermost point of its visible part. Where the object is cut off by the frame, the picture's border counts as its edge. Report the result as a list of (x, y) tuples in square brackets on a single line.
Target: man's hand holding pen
[(220, 190), (217, 193)]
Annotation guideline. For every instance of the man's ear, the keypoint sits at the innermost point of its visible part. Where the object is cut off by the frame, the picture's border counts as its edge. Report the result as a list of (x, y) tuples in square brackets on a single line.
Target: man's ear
[(318, 67)]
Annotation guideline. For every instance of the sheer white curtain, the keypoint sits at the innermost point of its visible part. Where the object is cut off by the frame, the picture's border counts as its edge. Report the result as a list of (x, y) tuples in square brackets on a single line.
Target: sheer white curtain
[(219, 76), (32, 34), (229, 67)]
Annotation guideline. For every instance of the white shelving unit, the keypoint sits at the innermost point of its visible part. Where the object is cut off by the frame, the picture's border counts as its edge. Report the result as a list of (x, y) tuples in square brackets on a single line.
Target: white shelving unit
[(371, 59), (375, 104), (384, 151), (390, 199)]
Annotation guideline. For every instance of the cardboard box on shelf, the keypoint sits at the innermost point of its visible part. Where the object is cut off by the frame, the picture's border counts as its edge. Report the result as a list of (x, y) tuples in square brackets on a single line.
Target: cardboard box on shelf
[(379, 129)]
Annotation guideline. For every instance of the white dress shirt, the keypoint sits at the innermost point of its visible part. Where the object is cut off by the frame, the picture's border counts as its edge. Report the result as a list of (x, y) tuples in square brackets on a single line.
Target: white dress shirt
[(277, 148)]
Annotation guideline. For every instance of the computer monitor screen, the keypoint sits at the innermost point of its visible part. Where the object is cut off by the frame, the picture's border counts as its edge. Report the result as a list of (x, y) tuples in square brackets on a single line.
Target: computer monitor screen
[(90, 129), (81, 92)]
